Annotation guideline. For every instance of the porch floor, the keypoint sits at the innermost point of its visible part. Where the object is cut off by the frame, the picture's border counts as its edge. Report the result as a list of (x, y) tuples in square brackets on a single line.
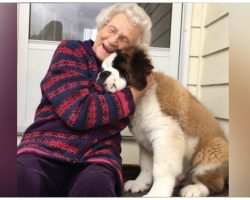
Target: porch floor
[(131, 172)]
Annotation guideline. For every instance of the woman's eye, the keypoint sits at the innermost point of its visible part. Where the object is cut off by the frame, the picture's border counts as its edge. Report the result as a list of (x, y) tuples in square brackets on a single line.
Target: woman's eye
[(111, 30), (125, 40)]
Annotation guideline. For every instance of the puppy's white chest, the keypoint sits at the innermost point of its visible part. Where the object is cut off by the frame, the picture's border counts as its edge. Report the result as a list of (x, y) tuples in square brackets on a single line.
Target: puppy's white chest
[(147, 118)]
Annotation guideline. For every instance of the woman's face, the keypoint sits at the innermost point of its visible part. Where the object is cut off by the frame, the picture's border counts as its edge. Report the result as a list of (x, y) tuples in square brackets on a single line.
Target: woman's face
[(118, 33)]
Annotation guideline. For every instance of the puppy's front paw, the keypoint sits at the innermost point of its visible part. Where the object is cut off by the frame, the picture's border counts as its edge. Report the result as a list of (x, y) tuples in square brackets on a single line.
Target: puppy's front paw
[(196, 190), (136, 186)]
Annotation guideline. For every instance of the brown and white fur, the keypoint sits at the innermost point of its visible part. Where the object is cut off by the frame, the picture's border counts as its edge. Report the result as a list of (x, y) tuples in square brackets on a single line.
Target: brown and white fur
[(176, 134)]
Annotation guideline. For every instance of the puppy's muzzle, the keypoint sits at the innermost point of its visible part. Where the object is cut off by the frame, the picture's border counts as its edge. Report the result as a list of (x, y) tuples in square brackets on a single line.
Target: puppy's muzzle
[(102, 77)]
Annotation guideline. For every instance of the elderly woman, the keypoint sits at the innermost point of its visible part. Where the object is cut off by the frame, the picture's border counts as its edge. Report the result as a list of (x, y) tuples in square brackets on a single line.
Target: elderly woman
[(73, 147)]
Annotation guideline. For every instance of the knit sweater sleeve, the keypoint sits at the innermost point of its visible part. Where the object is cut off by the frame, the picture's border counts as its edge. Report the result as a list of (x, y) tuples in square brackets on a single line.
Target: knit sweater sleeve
[(77, 99)]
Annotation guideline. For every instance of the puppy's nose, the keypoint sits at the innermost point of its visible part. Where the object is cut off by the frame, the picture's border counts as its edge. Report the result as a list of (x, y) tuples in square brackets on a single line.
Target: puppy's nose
[(103, 76)]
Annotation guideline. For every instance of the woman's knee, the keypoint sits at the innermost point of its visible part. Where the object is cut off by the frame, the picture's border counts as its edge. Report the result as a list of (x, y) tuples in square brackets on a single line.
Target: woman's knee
[(95, 182), (34, 176), (29, 180)]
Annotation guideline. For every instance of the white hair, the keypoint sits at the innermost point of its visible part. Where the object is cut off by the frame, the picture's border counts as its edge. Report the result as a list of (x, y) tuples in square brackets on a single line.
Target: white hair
[(136, 15)]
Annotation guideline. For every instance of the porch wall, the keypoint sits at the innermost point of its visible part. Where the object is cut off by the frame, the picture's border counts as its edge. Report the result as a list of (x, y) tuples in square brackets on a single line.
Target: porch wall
[(208, 77)]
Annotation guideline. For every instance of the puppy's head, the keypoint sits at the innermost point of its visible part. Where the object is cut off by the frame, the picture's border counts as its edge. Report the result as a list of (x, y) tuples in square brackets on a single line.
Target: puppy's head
[(126, 67)]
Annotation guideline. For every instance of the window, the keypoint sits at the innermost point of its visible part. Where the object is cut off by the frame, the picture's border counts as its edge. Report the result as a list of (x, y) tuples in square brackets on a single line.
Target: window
[(60, 21), (160, 14)]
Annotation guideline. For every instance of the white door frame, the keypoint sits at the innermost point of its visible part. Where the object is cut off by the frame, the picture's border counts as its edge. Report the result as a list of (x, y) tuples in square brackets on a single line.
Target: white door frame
[(185, 43), (23, 11), (175, 37)]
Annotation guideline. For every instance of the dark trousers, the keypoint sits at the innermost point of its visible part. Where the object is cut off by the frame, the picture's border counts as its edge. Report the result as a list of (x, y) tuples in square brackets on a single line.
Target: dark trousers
[(43, 177)]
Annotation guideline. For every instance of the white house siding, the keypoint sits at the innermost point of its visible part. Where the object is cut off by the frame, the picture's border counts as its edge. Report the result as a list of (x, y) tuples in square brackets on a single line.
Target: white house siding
[(208, 77)]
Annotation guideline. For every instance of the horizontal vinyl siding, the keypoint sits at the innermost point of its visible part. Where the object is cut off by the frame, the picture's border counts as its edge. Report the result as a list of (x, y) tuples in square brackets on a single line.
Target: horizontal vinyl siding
[(215, 11), (216, 100), (208, 77), (215, 68), (217, 36)]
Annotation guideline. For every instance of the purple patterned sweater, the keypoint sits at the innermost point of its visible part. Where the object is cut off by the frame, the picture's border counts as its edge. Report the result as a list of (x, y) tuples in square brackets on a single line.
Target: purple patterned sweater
[(77, 120)]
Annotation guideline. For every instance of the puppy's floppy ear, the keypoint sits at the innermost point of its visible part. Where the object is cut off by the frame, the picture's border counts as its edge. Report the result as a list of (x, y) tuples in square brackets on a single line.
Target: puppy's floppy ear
[(141, 62), (141, 66)]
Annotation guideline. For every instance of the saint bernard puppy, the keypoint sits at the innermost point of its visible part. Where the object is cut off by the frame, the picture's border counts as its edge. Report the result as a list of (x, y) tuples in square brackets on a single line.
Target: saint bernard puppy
[(177, 136)]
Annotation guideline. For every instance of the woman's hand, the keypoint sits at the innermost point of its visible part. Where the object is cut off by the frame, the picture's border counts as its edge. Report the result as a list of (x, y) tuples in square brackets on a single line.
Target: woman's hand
[(138, 94)]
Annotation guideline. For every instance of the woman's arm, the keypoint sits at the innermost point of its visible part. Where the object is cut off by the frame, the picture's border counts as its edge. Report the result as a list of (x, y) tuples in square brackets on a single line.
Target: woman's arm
[(77, 99)]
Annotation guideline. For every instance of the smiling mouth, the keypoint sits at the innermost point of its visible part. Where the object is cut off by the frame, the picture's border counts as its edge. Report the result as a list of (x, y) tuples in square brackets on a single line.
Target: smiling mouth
[(106, 49)]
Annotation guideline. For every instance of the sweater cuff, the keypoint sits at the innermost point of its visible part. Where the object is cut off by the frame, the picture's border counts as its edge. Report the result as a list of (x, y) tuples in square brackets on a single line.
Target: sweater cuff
[(127, 101)]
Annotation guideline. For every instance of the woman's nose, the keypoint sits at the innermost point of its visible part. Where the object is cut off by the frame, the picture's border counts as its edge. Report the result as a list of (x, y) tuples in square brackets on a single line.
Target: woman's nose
[(114, 39)]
